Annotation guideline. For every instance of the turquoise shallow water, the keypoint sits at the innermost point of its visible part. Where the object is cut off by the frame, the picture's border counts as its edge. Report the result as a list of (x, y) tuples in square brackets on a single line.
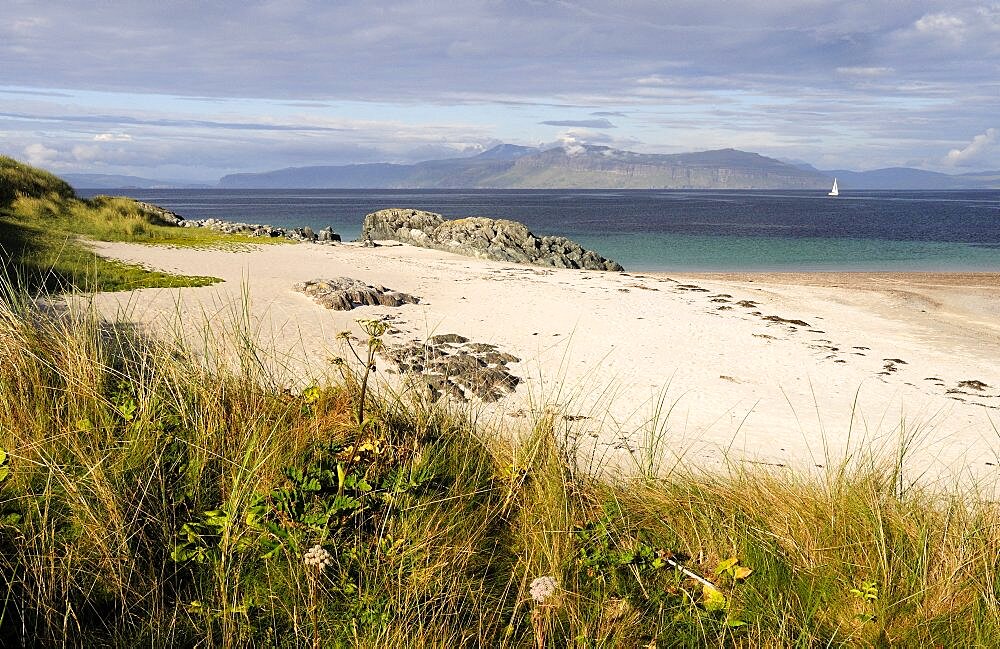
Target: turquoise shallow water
[(679, 252), (671, 229)]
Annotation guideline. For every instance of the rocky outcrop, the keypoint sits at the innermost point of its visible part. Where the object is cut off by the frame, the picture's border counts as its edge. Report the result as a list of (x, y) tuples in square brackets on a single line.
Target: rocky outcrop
[(450, 365), (345, 293), (326, 235), (498, 239), (161, 214), (406, 225)]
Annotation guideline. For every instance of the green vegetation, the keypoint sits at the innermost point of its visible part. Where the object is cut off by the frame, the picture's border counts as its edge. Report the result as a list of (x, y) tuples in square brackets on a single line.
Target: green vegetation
[(42, 221), (18, 179), (150, 497)]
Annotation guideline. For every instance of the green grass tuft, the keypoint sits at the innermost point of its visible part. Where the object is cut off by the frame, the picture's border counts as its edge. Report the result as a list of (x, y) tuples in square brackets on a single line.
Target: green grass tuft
[(18, 179)]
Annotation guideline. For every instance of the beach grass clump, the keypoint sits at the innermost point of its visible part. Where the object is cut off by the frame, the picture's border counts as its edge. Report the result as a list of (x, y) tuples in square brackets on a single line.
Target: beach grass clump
[(18, 179), (41, 258), (151, 495), (118, 218), (150, 498)]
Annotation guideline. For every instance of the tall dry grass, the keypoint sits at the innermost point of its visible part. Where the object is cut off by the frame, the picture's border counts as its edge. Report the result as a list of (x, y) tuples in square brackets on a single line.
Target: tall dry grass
[(158, 497)]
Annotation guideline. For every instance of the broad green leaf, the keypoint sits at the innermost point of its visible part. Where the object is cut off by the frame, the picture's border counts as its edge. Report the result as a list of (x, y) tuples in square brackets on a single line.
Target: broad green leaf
[(713, 599), (726, 565), (181, 554), (273, 552)]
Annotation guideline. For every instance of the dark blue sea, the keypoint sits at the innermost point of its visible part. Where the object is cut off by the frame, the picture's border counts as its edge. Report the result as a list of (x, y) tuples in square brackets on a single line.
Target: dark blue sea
[(672, 230)]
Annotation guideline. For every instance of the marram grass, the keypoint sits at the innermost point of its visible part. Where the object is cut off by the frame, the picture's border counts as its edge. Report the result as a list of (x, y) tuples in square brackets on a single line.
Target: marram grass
[(150, 497)]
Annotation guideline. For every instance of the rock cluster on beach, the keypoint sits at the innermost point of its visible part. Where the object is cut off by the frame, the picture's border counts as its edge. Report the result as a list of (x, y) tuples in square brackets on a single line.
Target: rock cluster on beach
[(487, 238), (163, 215), (448, 364), (345, 293), (326, 235)]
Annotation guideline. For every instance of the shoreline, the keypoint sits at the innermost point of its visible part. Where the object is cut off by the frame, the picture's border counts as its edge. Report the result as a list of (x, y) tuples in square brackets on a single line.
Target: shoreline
[(782, 369), (852, 278)]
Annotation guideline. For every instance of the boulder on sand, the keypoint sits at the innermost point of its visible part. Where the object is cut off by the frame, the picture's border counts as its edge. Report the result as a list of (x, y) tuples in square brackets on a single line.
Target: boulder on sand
[(345, 293), (477, 236)]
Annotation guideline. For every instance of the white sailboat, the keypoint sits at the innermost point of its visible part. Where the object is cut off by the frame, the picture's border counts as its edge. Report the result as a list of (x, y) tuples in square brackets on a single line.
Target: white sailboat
[(834, 191)]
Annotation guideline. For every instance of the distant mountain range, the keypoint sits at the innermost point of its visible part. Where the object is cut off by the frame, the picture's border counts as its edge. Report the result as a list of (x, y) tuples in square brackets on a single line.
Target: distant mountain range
[(578, 167), (907, 178), (115, 181), (509, 166)]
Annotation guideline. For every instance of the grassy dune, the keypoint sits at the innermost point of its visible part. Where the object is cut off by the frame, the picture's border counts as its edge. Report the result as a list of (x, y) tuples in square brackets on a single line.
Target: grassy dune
[(153, 496), (43, 226)]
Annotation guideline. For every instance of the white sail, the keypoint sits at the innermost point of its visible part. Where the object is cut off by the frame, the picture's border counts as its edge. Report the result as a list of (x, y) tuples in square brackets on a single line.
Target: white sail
[(834, 191)]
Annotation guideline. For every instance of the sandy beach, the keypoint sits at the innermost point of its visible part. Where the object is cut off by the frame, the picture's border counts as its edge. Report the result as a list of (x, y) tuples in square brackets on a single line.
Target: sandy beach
[(781, 369)]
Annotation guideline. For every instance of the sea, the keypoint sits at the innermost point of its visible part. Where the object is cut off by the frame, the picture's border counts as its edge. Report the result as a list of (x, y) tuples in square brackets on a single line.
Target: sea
[(667, 230)]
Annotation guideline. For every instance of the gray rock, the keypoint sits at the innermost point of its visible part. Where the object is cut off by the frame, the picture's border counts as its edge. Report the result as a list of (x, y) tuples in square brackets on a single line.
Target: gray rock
[(441, 339), (327, 234), (450, 365), (346, 293), (477, 236), (400, 224), (161, 213)]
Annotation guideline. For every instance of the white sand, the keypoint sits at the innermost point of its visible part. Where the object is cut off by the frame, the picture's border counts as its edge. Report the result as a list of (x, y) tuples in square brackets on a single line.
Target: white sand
[(605, 348)]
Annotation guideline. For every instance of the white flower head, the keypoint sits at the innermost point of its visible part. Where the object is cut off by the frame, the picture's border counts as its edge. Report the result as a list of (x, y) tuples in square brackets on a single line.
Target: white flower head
[(543, 588), (317, 557)]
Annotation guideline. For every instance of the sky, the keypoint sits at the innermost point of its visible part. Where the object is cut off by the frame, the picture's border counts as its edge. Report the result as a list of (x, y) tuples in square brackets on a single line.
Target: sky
[(193, 90)]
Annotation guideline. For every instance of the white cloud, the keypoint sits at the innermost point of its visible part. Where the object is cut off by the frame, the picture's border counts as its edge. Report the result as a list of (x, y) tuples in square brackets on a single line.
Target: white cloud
[(940, 23), (572, 144), (877, 71), (655, 80), (112, 137), (39, 154), (975, 152), (27, 25), (88, 153), (949, 30)]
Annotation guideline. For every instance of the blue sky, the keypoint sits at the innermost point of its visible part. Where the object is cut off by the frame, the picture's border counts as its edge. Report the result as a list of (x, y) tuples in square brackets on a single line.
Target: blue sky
[(190, 89)]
